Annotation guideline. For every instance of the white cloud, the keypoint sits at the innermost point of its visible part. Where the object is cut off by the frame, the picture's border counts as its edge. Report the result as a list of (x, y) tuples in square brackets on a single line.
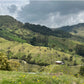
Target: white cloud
[(5, 4), (51, 14), (56, 20)]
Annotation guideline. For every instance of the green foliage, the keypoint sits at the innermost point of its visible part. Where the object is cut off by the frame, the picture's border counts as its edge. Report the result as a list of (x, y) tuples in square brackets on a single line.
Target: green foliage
[(71, 58), (46, 31), (4, 64), (75, 63), (14, 65), (77, 30), (39, 40), (39, 55), (62, 44), (10, 36), (38, 78), (80, 50), (82, 70), (27, 58), (82, 60), (36, 35), (9, 54)]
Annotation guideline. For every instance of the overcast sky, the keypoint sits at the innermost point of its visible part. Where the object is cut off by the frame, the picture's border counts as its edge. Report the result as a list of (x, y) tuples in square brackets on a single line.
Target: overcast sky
[(52, 13)]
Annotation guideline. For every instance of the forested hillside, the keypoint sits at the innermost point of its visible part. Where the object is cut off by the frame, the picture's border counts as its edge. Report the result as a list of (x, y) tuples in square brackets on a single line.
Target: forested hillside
[(35, 48), (77, 30)]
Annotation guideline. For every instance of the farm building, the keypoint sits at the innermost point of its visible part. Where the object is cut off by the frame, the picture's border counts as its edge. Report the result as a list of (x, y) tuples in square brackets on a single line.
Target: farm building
[(59, 62)]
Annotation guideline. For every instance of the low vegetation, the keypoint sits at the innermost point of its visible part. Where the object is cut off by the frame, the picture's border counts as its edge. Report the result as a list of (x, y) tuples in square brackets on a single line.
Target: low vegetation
[(37, 78)]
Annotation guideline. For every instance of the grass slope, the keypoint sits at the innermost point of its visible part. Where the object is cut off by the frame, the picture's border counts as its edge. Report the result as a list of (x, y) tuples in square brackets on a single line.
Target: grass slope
[(13, 30), (63, 44), (38, 78), (37, 54)]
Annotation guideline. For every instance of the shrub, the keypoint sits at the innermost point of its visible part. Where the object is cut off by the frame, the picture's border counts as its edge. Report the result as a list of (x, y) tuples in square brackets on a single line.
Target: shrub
[(65, 58), (71, 58), (80, 50), (14, 64), (4, 64), (82, 60), (75, 63), (82, 70)]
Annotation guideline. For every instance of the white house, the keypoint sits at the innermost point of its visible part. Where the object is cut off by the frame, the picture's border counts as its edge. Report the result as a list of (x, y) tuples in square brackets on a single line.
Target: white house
[(59, 62)]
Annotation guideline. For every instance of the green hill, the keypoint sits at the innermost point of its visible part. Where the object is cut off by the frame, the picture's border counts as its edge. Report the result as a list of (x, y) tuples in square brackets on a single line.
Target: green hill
[(12, 29), (36, 35), (77, 30), (35, 49), (46, 31)]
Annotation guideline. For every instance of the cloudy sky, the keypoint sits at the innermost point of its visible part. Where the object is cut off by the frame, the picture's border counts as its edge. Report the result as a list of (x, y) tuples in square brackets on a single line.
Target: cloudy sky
[(52, 13)]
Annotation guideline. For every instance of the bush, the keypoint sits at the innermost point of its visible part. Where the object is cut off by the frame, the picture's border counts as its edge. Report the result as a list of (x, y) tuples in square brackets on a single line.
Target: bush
[(71, 58), (75, 63), (82, 70), (82, 60), (4, 64), (14, 65), (80, 50)]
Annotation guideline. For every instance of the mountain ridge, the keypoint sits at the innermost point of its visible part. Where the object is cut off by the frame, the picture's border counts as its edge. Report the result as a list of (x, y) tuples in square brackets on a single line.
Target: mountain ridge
[(77, 29), (37, 35)]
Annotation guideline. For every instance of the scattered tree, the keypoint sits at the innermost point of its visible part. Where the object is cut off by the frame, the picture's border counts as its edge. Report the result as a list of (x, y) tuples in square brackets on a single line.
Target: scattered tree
[(82, 70)]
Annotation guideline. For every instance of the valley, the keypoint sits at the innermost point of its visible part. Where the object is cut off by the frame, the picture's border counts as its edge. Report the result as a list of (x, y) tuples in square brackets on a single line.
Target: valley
[(29, 48)]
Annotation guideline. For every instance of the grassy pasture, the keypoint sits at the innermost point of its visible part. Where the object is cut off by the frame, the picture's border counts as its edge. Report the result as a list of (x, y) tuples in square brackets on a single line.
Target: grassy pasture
[(38, 78)]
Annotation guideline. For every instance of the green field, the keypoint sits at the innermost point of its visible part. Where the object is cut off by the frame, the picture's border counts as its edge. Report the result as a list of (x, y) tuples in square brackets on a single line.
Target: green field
[(37, 78)]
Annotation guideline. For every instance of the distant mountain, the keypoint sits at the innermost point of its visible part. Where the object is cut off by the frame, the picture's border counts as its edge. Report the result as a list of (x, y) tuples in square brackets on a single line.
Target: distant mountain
[(9, 21), (77, 30), (12, 29), (46, 31), (37, 35)]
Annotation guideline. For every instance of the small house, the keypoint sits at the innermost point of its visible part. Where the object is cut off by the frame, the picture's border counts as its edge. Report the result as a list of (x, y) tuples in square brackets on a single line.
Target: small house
[(59, 62)]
